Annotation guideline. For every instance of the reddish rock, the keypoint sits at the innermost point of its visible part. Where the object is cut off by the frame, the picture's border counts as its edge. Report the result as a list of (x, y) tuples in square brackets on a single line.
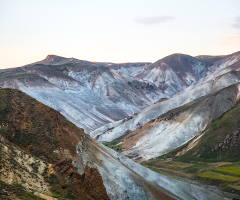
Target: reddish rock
[(91, 181), (93, 184)]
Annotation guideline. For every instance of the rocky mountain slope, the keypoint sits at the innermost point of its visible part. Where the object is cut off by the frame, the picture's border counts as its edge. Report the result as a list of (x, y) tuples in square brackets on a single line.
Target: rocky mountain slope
[(45, 133), (173, 129), (170, 123), (88, 94), (221, 141), (176, 72), (173, 73), (112, 131)]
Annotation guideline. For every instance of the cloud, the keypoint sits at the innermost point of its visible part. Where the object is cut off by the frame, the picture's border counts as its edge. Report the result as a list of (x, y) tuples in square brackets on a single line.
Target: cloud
[(230, 39), (154, 20), (237, 24)]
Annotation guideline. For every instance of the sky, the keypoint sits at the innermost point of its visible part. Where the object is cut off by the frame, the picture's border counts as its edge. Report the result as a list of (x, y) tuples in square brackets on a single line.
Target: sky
[(116, 30)]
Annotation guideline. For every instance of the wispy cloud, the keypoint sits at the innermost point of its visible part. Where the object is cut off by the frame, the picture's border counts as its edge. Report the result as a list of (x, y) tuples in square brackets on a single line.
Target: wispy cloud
[(230, 39), (237, 23), (154, 20)]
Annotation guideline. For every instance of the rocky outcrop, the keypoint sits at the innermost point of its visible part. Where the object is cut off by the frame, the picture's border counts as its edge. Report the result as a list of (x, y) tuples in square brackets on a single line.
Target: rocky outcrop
[(93, 184), (20, 173), (90, 181), (229, 142)]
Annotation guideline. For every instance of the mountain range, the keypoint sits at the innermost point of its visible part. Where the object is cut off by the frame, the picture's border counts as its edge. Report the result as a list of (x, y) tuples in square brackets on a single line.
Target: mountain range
[(145, 111)]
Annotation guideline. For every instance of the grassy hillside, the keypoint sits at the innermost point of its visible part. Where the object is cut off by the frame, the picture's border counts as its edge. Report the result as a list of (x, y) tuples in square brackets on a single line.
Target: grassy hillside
[(36, 128)]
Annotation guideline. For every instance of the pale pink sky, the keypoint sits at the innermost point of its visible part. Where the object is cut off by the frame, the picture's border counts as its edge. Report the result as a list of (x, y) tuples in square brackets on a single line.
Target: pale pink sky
[(116, 31)]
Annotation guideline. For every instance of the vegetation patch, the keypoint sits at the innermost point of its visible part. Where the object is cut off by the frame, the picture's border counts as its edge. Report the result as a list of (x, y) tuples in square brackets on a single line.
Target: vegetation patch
[(208, 173), (190, 169), (233, 169), (196, 167), (166, 174), (236, 187), (223, 177), (115, 144), (8, 191)]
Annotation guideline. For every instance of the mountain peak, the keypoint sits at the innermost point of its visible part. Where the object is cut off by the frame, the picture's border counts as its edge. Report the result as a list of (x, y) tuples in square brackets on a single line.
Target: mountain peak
[(50, 59)]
